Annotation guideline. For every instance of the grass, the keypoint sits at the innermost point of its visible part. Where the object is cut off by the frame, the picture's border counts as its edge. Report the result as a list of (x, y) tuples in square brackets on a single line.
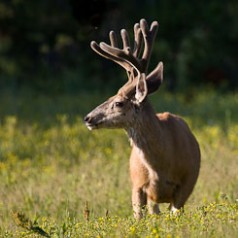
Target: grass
[(57, 179)]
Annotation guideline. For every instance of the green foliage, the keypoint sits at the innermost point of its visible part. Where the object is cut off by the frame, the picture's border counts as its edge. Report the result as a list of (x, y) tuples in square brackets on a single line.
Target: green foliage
[(42, 41), (58, 179)]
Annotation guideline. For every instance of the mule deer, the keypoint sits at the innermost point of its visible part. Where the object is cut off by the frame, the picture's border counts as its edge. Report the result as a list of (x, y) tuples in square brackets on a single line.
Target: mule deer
[(165, 157)]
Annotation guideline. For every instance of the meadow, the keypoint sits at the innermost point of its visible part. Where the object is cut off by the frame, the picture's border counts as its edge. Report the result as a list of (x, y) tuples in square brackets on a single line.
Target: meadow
[(57, 179)]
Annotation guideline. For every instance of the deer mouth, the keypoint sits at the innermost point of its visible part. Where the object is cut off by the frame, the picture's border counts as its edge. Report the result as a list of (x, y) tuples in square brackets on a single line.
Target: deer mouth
[(91, 126)]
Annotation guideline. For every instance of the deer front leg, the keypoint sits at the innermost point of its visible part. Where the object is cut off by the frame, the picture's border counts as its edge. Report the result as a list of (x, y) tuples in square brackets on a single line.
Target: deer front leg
[(153, 208), (138, 202)]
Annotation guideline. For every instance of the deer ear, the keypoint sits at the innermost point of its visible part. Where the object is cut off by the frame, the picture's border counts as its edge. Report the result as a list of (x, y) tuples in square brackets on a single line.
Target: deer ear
[(141, 89), (155, 78)]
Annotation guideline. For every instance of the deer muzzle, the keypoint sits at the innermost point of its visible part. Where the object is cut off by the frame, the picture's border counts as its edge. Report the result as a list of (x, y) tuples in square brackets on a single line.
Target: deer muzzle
[(94, 119)]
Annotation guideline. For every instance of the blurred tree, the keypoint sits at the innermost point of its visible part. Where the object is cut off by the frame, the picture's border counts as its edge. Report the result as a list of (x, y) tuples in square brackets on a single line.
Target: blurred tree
[(31, 31), (41, 41)]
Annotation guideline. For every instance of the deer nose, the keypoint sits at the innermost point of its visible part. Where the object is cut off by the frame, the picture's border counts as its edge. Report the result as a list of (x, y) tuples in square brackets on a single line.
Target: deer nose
[(87, 119)]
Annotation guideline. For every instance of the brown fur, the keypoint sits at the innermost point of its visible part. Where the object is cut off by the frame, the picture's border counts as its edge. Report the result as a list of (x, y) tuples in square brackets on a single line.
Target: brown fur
[(165, 160), (165, 157)]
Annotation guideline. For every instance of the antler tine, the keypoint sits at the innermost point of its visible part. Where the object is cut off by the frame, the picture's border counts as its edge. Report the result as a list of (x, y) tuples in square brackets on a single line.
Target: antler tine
[(94, 45), (149, 36), (125, 41), (97, 48), (127, 49), (113, 39), (138, 40)]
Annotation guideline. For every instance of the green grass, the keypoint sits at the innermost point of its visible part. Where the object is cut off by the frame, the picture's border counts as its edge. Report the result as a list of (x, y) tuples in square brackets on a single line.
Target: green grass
[(51, 166)]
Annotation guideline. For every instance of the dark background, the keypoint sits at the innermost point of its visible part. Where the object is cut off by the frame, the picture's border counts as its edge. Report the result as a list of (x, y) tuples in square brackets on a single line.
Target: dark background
[(44, 45)]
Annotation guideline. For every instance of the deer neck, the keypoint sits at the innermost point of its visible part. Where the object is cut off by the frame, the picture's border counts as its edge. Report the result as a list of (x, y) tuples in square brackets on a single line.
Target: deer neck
[(145, 133)]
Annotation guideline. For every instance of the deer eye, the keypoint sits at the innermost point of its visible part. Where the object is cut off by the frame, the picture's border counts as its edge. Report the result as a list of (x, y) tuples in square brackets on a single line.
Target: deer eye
[(119, 104)]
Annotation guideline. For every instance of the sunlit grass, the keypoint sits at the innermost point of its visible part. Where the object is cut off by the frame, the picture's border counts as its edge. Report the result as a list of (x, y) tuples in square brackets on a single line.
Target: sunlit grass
[(51, 166)]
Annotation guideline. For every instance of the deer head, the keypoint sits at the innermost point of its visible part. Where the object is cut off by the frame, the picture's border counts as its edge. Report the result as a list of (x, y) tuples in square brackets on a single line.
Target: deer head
[(120, 110)]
